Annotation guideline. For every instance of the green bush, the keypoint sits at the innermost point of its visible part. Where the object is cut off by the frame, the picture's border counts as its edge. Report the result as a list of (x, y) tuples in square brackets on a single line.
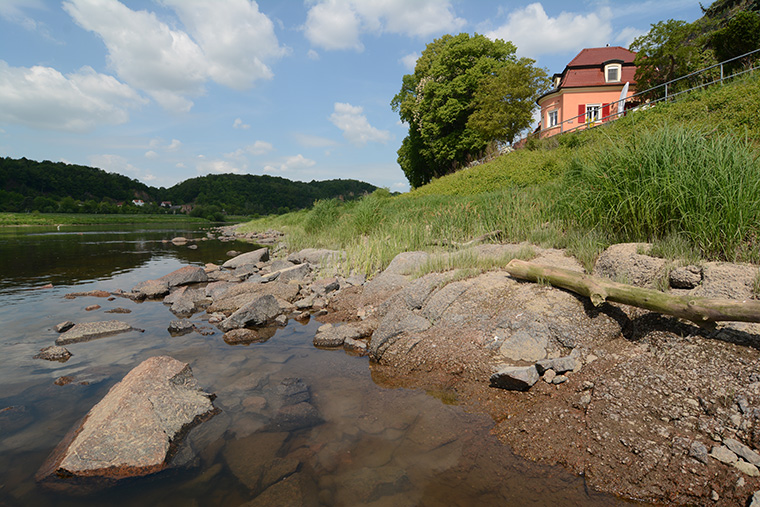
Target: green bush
[(323, 214)]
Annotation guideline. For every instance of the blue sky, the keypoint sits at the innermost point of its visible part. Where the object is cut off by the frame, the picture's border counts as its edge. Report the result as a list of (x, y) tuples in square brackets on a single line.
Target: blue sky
[(166, 90)]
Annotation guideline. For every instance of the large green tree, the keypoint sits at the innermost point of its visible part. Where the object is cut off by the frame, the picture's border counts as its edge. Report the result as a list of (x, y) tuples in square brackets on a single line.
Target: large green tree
[(464, 93)]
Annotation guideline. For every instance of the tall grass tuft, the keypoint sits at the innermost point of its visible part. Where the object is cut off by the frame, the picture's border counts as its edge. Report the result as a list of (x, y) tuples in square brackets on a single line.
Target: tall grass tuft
[(674, 180)]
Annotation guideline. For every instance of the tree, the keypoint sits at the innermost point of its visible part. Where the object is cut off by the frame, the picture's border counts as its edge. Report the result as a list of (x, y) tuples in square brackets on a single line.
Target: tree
[(739, 36), (671, 49), (453, 78)]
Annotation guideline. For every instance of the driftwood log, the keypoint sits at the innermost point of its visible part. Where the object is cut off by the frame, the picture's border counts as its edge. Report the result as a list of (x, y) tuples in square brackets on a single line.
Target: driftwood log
[(702, 311)]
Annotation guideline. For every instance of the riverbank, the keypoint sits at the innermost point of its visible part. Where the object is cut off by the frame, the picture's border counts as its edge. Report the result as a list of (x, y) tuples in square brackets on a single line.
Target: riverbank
[(642, 405), (54, 219)]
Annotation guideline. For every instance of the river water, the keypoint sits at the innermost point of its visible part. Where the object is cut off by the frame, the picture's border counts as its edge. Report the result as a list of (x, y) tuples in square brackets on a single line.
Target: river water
[(371, 445)]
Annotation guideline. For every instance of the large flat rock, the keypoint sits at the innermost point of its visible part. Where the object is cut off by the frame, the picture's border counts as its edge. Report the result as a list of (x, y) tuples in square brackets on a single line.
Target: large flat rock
[(133, 429), (87, 331), (248, 258)]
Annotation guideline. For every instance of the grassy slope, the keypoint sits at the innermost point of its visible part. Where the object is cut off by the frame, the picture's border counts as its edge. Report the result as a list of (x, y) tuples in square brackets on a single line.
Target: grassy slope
[(549, 195)]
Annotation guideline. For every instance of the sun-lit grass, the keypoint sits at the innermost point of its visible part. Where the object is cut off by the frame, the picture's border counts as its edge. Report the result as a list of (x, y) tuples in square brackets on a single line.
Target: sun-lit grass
[(684, 176)]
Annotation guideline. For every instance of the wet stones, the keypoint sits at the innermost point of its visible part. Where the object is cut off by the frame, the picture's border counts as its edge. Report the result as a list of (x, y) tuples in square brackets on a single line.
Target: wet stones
[(133, 429), (54, 353), (255, 313), (87, 331), (180, 327), (247, 259)]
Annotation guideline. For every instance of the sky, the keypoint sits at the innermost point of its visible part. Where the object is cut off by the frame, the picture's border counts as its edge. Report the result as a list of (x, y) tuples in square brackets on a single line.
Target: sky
[(167, 90)]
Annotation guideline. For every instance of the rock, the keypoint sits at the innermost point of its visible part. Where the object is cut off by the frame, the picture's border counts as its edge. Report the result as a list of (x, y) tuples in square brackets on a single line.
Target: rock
[(355, 346), (297, 272), (315, 256), (238, 295), (179, 240), (515, 378), (292, 391), (91, 308), (244, 336), (54, 353), (623, 263), (192, 247), (256, 313), (279, 264), (133, 429), (698, 451), (560, 365), (248, 258), (118, 310), (90, 293), (152, 288), (210, 267), (185, 301), (746, 468), (249, 457), (325, 286), (64, 326), (394, 278), (180, 327), (305, 303), (295, 417), (184, 276), (526, 344), (727, 281), (335, 336), (560, 379), (548, 375), (87, 331), (742, 450), (686, 277), (723, 454), (755, 500), (392, 326)]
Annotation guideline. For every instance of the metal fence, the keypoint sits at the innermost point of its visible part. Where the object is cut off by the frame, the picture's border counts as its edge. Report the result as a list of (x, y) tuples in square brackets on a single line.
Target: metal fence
[(666, 91)]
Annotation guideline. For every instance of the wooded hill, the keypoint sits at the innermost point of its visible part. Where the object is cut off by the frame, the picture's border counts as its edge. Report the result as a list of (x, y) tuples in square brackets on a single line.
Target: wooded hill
[(27, 185)]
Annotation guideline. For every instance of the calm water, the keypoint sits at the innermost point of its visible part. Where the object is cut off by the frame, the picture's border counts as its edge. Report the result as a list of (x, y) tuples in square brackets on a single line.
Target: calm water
[(370, 446)]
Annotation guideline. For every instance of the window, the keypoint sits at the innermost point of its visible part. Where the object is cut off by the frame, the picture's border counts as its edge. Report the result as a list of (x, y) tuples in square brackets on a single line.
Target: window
[(612, 72), (552, 119), (593, 112)]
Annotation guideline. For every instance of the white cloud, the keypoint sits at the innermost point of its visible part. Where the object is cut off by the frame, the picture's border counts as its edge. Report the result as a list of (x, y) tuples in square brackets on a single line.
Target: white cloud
[(410, 61), (338, 24), (174, 145), (627, 34), (356, 129), (42, 97), (217, 166), (232, 42), (291, 164), (313, 55), (238, 124), (119, 164), (236, 39), (259, 148), (151, 154), (310, 141), (535, 33), (13, 11)]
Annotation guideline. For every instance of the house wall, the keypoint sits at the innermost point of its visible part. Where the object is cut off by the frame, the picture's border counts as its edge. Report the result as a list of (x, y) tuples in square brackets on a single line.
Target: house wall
[(568, 100)]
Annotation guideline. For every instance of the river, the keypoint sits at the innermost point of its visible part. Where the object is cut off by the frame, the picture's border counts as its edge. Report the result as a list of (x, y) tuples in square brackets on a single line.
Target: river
[(376, 445)]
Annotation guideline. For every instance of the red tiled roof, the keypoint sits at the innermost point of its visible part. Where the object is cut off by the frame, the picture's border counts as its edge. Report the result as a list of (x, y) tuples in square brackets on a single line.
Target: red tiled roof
[(597, 56), (594, 77)]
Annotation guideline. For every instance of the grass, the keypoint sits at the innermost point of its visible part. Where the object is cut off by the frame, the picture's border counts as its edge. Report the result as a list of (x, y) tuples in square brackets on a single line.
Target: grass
[(15, 219), (683, 176)]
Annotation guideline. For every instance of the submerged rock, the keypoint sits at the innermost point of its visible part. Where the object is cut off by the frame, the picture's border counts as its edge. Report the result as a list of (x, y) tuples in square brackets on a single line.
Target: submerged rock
[(87, 331), (54, 353), (134, 428)]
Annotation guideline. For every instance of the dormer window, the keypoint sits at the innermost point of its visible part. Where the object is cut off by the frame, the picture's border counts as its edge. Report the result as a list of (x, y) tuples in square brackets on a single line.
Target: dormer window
[(612, 72)]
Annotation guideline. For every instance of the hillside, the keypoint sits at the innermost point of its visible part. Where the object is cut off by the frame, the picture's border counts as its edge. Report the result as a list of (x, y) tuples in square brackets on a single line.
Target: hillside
[(684, 175), (27, 185)]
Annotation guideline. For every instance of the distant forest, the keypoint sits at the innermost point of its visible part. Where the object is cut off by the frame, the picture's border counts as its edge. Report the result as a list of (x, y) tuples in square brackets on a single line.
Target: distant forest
[(56, 187)]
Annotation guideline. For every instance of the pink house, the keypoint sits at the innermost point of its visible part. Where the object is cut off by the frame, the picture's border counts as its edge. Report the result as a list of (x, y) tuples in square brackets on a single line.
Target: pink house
[(587, 90)]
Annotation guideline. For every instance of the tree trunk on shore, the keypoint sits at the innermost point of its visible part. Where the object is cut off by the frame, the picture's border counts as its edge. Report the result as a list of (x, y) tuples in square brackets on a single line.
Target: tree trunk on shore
[(702, 311)]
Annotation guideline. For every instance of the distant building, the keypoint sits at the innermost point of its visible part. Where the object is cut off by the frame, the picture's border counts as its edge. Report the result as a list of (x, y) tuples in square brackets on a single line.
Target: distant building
[(588, 90), (166, 204), (138, 202)]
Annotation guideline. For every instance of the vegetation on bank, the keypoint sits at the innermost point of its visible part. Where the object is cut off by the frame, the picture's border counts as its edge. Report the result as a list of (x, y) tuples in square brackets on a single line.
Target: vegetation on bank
[(15, 219), (57, 187), (684, 175)]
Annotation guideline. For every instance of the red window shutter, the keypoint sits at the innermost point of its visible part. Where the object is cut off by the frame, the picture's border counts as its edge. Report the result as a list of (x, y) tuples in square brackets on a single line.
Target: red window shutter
[(581, 113), (605, 111)]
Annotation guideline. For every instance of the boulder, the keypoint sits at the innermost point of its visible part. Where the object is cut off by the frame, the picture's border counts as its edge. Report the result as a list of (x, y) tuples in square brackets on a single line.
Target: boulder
[(742, 450), (184, 276), (622, 263), (136, 426), (315, 256), (297, 272), (686, 277), (559, 365), (243, 336), (325, 286), (392, 327), (335, 336), (180, 327), (87, 331), (151, 289), (255, 313), (237, 295), (248, 258), (54, 353), (515, 378)]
